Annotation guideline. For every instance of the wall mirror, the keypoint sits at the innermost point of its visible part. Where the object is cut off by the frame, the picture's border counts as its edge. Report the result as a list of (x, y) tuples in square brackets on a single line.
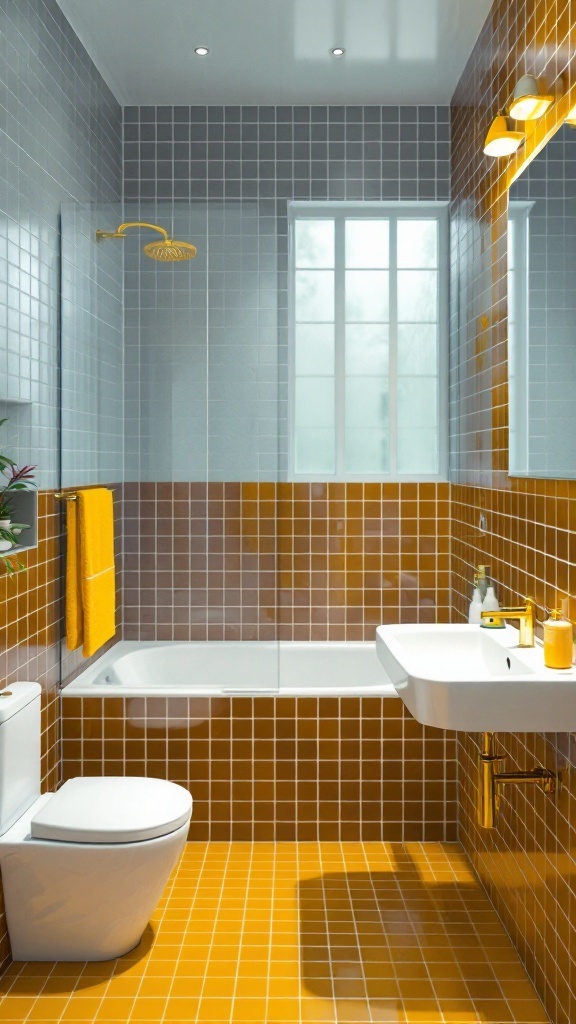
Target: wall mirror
[(542, 312)]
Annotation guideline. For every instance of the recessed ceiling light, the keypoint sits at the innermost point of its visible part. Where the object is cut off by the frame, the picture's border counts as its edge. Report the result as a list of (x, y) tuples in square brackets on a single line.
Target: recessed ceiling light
[(201, 51), (338, 51)]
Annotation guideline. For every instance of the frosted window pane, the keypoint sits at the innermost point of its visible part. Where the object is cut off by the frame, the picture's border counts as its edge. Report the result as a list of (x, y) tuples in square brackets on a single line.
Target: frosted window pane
[(417, 402), (367, 451), (366, 402), (367, 349), (314, 349), (417, 451), (367, 243), (315, 451), (417, 349), (366, 295), (359, 442), (417, 243), (314, 243), (417, 295), (314, 402), (314, 295)]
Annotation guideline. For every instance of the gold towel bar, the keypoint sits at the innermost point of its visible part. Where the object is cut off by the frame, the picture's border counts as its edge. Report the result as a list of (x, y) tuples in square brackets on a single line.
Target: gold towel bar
[(70, 496)]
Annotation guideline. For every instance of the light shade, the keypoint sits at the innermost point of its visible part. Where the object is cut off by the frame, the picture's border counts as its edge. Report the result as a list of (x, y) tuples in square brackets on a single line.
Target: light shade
[(571, 117), (528, 104), (500, 140)]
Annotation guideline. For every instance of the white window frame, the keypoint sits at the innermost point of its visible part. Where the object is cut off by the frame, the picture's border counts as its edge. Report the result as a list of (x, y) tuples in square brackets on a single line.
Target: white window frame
[(394, 211)]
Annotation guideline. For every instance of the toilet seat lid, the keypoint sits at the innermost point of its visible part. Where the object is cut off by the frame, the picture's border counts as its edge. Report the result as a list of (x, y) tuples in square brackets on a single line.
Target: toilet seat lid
[(112, 810)]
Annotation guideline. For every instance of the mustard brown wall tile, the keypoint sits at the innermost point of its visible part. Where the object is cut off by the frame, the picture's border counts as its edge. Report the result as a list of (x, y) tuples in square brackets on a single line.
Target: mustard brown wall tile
[(276, 768), (265, 561)]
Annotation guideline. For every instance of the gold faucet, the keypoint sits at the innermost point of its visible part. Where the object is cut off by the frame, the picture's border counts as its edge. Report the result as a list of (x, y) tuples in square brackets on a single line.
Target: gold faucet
[(526, 614)]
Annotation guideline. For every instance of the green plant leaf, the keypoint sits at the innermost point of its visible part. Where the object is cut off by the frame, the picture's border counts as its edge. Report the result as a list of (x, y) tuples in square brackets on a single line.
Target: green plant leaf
[(6, 534), (12, 564)]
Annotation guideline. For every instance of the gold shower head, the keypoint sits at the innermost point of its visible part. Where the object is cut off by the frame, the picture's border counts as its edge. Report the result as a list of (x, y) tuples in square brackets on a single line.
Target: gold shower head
[(167, 251), (170, 251)]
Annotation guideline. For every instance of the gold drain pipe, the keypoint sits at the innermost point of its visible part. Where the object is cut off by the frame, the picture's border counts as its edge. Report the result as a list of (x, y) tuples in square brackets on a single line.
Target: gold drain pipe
[(490, 781)]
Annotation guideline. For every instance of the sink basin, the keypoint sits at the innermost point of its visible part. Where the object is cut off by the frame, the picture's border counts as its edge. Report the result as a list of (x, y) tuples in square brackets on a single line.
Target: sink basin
[(474, 679)]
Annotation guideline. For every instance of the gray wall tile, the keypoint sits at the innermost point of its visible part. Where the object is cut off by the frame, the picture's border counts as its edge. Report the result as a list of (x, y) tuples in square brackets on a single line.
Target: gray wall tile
[(60, 132), (207, 392)]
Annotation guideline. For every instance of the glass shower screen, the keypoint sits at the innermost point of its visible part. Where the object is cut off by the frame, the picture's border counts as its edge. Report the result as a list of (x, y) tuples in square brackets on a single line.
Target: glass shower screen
[(173, 382)]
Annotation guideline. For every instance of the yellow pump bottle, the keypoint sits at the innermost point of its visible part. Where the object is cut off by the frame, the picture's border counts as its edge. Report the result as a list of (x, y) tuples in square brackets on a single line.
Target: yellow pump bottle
[(558, 641)]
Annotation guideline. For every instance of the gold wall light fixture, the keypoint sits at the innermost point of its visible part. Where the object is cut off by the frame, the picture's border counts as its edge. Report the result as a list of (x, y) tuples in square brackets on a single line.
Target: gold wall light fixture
[(528, 102), (571, 117), (501, 140), (167, 251)]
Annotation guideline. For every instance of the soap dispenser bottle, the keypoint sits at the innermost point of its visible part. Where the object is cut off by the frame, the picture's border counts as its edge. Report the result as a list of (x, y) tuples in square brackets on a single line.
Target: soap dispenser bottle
[(481, 580), (475, 609), (558, 641), (490, 602)]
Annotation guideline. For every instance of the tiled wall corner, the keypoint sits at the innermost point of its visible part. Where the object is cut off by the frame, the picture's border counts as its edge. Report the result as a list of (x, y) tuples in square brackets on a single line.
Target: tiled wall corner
[(528, 864), (60, 143)]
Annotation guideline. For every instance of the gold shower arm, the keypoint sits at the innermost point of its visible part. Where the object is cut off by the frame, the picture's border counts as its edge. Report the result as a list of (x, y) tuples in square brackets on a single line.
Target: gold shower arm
[(121, 232), (167, 251)]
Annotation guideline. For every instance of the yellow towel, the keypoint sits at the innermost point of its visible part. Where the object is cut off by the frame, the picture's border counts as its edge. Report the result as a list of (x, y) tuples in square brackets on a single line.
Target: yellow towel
[(90, 577), (74, 626)]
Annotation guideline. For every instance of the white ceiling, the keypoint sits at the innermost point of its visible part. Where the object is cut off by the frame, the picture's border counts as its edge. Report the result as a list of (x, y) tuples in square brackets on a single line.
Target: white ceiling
[(277, 51)]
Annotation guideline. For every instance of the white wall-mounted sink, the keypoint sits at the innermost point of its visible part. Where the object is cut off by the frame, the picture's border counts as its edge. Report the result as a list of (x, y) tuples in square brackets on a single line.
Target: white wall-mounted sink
[(475, 679)]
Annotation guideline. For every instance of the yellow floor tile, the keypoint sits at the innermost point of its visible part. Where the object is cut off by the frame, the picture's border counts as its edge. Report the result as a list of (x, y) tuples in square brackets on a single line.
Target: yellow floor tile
[(213, 1009), (182, 1010), (249, 1010), (153, 987), (40, 969), (148, 1008), (299, 934), (181, 987), (81, 1009), (15, 1008), (250, 988), (289, 1004), (48, 1007), (114, 1009), (26, 986), (280, 988)]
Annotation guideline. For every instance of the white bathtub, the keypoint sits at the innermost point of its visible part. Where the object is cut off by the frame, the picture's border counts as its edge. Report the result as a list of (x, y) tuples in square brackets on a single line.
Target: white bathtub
[(157, 669)]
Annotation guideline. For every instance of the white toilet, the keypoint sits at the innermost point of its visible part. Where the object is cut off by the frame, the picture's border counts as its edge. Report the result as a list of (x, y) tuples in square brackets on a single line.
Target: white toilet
[(82, 868)]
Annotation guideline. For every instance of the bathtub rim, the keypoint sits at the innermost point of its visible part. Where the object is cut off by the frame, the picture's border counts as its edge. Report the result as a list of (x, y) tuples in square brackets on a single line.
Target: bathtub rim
[(82, 686)]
